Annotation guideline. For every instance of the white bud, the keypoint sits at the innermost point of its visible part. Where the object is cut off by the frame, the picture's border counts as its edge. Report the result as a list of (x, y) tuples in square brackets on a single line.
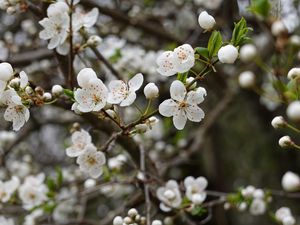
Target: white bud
[(294, 73), (169, 194), (278, 122), (285, 142), (132, 212), (141, 128), (11, 10), (293, 111), (227, 205), (28, 90), (247, 79), (228, 54), (248, 52), (47, 96), (290, 181), (258, 193), (278, 28), (57, 89), (127, 220), (118, 220), (242, 207), (206, 21), (156, 222), (94, 40), (288, 220), (190, 80), (151, 91), (15, 82), (6, 71), (89, 183), (295, 40)]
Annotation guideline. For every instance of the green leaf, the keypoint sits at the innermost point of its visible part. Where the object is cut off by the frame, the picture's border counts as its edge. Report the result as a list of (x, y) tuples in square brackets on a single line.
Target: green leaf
[(69, 93), (203, 52), (214, 43), (116, 56), (198, 211), (260, 7), (59, 178), (239, 34), (51, 184), (182, 77)]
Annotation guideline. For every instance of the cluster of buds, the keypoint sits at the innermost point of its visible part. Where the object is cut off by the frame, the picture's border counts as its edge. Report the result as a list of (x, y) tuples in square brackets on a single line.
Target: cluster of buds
[(133, 218)]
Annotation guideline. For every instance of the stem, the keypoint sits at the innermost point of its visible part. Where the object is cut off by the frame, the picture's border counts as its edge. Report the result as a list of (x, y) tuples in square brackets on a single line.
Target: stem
[(292, 128), (71, 54)]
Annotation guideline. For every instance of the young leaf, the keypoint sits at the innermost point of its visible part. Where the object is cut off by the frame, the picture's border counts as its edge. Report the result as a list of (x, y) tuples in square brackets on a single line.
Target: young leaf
[(214, 43), (239, 34), (260, 7), (182, 77), (203, 52)]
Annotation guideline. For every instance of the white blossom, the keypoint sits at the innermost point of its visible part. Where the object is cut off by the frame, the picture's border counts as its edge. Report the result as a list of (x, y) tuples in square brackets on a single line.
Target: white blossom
[(6, 71), (80, 140), (6, 221), (284, 215), (57, 89), (166, 64), (8, 188), (182, 105), (257, 207), (33, 192), (247, 79), (278, 28), (23, 80), (248, 52), (91, 161), (206, 21), (184, 58), (118, 220), (169, 195), (124, 93), (228, 54), (278, 122), (195, 189), (290, 181)]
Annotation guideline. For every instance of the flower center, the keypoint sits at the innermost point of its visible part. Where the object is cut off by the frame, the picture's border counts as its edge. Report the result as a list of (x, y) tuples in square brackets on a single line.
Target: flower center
[(183, 105)]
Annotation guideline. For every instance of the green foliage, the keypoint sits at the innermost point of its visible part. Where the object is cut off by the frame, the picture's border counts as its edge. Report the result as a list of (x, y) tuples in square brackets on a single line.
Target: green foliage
[(214, 43), (202, 52), (69, 93), (260, 7), (116, 56), (198, 211), (182, 77), (239, 34)]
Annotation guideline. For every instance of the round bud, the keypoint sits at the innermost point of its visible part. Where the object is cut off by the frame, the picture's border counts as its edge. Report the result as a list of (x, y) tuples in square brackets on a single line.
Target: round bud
[(141, 128), (227, 206), (118, 220), (228, 54), (278, 28), (290, 182), (169, 194), (248, 52), (156, 222), (15, 82), (47, 96), (288, 220), (293, 111), (242, 207), (278, 122), (94, 40), (285, 142), (11, 10), (89, 183), (57, 89), (206, 21), (295, 40), (294, 73), (258, 193), (151, 91), (6, 71), (28, 90), (127, 220), (132, 212), (247, 79), (143, 220), (84, 76)]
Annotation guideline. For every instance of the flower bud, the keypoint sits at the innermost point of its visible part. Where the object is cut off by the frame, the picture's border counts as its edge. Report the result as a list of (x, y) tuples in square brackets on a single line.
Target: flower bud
[(6, 71), (47, 96), (206, 21), (57, 89), (118, 220), (11, 10), (151, 91), (290, 181), (89, 183), (285, 142), (228, 54), (247, 79), (293, 111), (295, 40), (248, 52), (94, 40), (278, 28), (242, 207), (28, 90), (156, 222), (141, 128), (132, 212), (278, 122), (14, 83), (127, 220), (190, 80), (294, 73)]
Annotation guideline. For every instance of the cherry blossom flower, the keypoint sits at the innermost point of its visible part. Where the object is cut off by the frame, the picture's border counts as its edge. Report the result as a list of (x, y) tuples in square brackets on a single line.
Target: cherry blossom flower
[(15, 112), (33, 192), (166, 64), (85, 20), (183, 105), (93, 94), (124, 93), (80, 139), (169, 195), (195, 189), (91, 161), (8, 188), (184, 58), (6, 221)]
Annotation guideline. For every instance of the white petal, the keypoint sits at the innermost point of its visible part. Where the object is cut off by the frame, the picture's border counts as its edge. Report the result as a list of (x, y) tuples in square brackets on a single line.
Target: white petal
[(118, 91), (136, 82), (95, 171), (194, 97), (188, 181), (194, 113), (90, 18), (177, 90), (129, 99), (202, 182), (23, 79), (168, 108), (179, 119), (84, 76)]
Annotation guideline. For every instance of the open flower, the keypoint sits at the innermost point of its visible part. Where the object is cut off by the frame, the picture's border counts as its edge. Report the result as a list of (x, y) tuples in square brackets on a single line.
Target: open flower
[(183, 105), (169, 196), (8, 188), (80, 139), (184, 58), (124, 93), (195, 189), (91, 161), (6, 221)]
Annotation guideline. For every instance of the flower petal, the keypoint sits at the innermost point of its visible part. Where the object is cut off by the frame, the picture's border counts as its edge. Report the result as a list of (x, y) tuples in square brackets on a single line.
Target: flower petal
[(177, 90), (194, 113), (168, 108), (136, 82), (179, 119)]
